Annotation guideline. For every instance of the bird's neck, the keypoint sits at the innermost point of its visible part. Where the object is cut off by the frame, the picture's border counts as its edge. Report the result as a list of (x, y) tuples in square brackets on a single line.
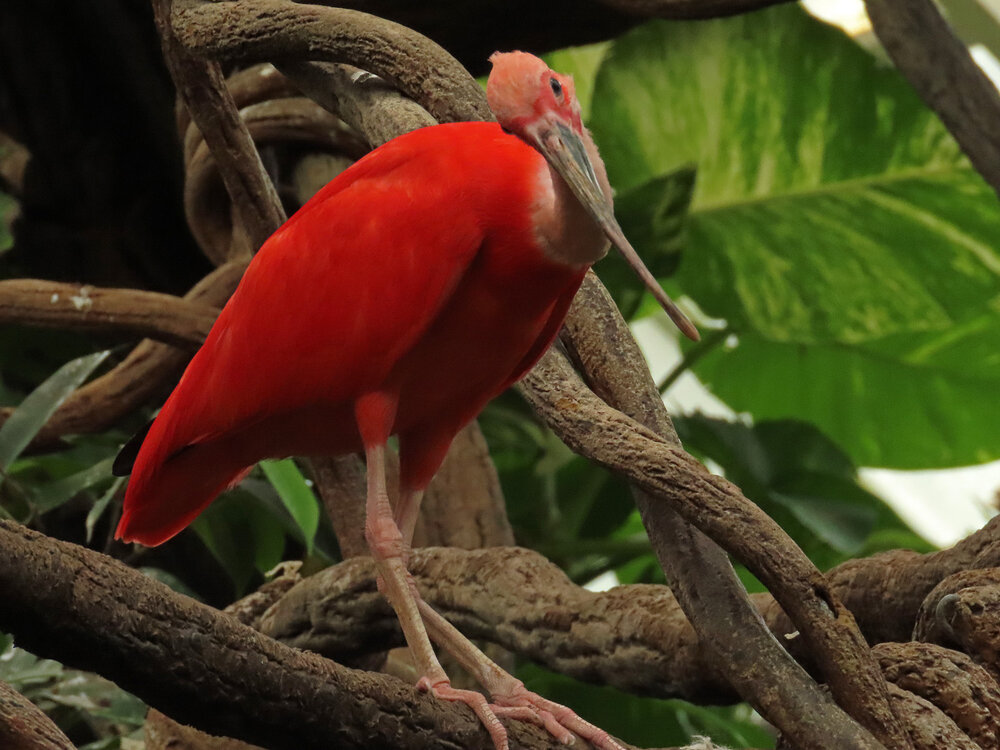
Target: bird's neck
[(565, 230)]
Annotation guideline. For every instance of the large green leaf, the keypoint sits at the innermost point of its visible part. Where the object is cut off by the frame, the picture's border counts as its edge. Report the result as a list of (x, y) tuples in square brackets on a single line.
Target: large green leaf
[(907, 401), (834, 225), (801, 478)]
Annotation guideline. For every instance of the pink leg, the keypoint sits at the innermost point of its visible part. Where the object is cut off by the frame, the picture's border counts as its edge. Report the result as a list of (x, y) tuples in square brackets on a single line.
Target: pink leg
[(510, 698), (387, 548)]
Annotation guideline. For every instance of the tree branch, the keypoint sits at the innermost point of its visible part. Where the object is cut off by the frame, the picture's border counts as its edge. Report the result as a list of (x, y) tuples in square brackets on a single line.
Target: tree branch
[(202, 87), (145, 372), (50, 304), (278, 30), (950, 680), (204, 667), (23, 726), (699, 572), (940, 68), (716, 507)]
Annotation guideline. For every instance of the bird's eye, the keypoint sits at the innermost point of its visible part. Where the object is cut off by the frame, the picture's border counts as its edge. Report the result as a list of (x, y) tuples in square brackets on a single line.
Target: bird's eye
[(557, 88)]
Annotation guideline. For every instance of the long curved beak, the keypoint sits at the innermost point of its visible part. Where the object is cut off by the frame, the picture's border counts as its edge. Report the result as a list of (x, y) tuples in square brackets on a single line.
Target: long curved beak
[(566, 151)]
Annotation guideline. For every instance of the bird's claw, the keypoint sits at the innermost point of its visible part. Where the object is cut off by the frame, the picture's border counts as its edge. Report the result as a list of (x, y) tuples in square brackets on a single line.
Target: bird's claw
[(561, 722), (521, 704), (476, 701)]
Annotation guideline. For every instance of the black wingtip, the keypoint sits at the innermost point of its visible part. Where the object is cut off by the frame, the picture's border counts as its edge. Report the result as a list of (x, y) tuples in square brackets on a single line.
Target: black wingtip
[(125, 459)]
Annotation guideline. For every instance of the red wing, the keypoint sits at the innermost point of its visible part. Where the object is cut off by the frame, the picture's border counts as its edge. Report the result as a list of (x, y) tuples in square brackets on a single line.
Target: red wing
[(333, 299)]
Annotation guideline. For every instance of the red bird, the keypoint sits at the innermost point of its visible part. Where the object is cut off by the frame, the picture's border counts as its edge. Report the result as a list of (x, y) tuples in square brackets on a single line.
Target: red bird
[(412, 289)]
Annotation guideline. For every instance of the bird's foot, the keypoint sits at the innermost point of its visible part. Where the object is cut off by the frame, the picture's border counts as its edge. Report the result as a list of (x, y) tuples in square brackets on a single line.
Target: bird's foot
[(561, 722), (473, 700), (521, 704)]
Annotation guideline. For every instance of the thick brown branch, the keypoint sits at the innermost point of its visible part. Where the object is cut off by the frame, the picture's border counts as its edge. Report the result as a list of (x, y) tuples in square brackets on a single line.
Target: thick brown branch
[(145, 372), (204, 667), (950, 680), (885, 592), (23, 726), (626, 637), (963, 611), (278, 30), (365, 102), (203, 89), (699, 572), (940, 68), (162, 317), (928, 727), (678, 666), (464, 505), (717, 508)]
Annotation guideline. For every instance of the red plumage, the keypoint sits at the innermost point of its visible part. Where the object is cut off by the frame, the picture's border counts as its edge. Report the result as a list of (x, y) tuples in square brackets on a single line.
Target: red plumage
[(416, 271), (407, 293)]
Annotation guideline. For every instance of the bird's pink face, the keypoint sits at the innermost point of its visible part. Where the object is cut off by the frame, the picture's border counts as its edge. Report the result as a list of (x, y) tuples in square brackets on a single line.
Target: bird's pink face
[(525, 95), (539, 106)]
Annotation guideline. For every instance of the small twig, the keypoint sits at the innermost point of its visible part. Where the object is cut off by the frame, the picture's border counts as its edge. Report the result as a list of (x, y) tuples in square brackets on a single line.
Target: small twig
[(938, 65), (708, 343)]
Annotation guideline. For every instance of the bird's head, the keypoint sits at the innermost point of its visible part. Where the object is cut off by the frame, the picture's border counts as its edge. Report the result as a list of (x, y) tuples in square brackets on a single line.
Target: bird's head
[(527, 97), (540, 106)]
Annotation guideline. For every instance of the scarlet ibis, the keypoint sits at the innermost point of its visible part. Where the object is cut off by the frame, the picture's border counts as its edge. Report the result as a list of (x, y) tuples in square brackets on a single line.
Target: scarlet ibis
[(411, 290)]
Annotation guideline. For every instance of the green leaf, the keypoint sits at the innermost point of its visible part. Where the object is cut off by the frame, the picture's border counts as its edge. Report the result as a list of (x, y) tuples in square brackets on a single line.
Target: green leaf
[(40, 404), (799, 477), (647, 721), (296, 495), (8, 210), (62, 490), (97, 510), (909, 402), (241, 532), (835, 226), (22, 669)]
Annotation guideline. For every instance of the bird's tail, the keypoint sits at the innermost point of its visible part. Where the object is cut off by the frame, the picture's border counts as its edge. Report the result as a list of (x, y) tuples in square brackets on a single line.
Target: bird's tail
[(166, 494)]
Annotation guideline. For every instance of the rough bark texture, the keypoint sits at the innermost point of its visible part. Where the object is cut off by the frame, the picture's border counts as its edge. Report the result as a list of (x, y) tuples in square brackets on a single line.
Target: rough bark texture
[(277, 30), (204, 667), (25, 727), (144, 373), (950, 680), (717, 508), (700, 574), (85, 308), (964, 611)]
